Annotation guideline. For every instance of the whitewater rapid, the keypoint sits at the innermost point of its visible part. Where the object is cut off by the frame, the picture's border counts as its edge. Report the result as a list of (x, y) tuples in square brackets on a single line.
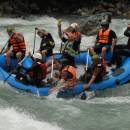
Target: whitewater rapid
[(19, 111)]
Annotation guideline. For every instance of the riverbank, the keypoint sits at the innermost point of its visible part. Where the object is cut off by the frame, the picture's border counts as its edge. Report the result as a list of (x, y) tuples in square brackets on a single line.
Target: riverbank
[(24, 8)]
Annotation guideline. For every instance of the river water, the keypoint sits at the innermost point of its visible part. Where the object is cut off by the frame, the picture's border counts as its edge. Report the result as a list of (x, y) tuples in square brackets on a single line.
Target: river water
[(108, 110)]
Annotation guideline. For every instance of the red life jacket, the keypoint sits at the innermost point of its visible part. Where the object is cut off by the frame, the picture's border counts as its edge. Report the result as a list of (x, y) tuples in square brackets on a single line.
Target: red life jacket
[(103, 37), (39, 75), (17, 44)]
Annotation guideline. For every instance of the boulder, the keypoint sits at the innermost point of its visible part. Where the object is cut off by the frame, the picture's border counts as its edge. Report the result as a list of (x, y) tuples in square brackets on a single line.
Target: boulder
[(91, 24)]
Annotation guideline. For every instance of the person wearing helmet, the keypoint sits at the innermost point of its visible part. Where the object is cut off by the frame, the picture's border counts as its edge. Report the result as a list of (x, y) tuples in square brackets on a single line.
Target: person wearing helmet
[(95, 73), (67, 81), (106, 40), (17, 42), (36, 73), (71, 39), (47, 43)]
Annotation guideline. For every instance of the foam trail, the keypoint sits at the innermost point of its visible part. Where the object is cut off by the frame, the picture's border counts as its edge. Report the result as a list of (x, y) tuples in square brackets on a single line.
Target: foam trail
[(10, 119)]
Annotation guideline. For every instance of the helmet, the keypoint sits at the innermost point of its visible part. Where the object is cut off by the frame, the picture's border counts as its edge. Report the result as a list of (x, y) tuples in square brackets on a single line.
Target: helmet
[(104, 24), (66, 75), (71, 70), (37, 56), (10, 29), (95, 58), (41, 31), (74, 25)]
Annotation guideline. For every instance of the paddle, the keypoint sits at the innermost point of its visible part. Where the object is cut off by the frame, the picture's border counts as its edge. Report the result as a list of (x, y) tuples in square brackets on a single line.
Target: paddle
[(61, 47), (15, 69), (52, 66), (87, 60), (34, 40), (4, 47), (86, 68), (59, 21)]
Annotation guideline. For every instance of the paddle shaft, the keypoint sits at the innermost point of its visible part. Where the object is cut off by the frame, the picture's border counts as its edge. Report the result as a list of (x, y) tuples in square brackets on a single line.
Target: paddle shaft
[(4, 47), (61, 47), (87, 60), (52, 66), (34, 41)]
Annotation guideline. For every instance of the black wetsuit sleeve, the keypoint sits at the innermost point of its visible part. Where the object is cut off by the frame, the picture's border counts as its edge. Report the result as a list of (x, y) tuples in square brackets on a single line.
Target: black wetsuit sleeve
[(113, 34), (127, 32), (47, 43), (64, 40), (51, 44)]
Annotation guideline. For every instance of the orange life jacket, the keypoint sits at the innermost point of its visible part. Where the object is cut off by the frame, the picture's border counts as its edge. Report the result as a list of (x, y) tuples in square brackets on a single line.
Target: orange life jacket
[(103, 37), (70, 69), (17, 45)]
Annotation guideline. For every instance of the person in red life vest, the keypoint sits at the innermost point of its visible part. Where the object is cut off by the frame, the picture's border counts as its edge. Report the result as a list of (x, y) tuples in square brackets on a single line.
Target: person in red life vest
[(47, 43), (35, 74), (71, 39), (106, 40), (38, 71), (17, 42), (98, 71)]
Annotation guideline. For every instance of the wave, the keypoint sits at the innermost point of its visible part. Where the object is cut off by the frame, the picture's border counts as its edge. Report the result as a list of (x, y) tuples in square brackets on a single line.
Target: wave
[(10, 119)]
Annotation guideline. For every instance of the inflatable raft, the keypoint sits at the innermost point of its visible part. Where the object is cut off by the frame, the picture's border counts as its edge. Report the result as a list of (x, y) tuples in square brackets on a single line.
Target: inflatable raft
[(118, 77)]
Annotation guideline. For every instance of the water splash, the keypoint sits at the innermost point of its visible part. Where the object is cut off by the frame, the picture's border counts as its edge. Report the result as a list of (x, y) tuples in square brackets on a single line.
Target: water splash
[(10, 119)]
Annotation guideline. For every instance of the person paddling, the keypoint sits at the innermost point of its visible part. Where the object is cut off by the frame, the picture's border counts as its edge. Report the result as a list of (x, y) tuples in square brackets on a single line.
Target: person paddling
[(47, 43), (17, 42), (71, 39), (97, 72), (65, 75), (121, 50), (105, 41), (65, 80), (37, 73)]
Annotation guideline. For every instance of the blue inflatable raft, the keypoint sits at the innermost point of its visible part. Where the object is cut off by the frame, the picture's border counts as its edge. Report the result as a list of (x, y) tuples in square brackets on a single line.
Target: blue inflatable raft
[(118, 77)]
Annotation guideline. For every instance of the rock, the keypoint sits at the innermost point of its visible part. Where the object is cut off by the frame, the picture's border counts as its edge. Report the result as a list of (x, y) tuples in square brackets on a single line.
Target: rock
[(79, 11), (118, 12), (84, 14), (91, 24)]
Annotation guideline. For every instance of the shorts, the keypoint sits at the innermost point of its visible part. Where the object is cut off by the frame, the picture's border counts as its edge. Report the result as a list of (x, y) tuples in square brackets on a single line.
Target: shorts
[(98, 48), (13, 54)]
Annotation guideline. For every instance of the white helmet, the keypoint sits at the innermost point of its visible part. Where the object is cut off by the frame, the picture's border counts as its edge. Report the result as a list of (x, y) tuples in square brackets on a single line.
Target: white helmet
[(37, 56), (74, 25)]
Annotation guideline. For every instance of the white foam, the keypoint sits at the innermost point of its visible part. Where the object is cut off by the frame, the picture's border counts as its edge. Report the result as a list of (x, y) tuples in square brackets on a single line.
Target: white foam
[(10, 119), (110, 100)]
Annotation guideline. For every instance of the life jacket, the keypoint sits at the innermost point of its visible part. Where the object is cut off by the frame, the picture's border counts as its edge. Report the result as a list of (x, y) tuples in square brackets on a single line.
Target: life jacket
[(103, 37), (39, 75), (70, 69), (17, 45), (69, 46)]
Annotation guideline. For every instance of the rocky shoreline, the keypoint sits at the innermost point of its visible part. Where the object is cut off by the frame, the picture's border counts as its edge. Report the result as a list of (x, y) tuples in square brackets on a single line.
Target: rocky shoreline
[(90, 12), (23, 8)]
